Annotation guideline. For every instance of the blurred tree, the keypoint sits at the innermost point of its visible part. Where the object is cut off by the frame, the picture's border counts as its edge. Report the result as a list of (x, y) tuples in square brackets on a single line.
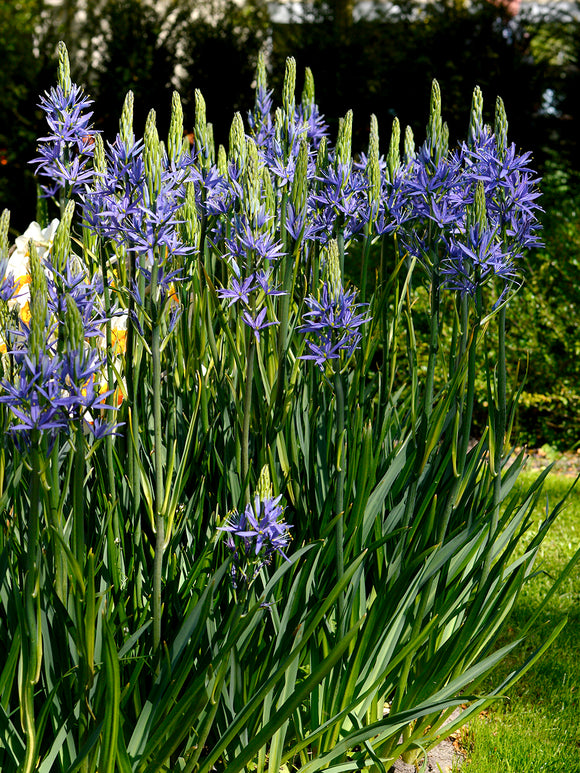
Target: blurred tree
[(27, 41), (218, 54), (389, 59), (134, 47)]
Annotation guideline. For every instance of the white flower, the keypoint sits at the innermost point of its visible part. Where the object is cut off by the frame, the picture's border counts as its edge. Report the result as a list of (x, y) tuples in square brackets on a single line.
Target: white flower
[(18, 262)]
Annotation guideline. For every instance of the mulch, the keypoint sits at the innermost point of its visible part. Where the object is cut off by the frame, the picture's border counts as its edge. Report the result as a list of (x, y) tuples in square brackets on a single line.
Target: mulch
[(564, 464)]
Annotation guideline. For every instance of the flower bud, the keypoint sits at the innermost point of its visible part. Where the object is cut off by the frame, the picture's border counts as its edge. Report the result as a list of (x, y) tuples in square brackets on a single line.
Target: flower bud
[(4, 243), (210, 144), (190, 227), (99, 158), (237, 154), (126, 123), (308, 92), (321, 157), (222, 161), (63, 77), (344, 140), (152, 156), (264, 488), (288, 99), (409, 144), (480, 207), (175, 137), (299, 186), (38, 303), (476, 116), (333, 274), (61, 246), (435, 134), (261, 77), (500, 128), (251, 198), (74, 329), (268, 195), (394, 155)]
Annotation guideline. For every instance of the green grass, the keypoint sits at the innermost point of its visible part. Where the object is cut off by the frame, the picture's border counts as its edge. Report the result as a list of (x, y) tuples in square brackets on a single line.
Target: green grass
[(536, 728)]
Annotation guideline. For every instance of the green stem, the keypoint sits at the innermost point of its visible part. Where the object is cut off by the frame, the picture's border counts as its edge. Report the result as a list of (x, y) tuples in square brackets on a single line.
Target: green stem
[(499, 431), (247, 416), (158, 457), (433, 343), (111, 483), (31, 637), (365, 263), (60, 576), (340, 483)]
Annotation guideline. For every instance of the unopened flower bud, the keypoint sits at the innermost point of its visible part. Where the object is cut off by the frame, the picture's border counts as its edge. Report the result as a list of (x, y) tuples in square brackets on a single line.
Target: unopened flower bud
[(321, 157), (175, 137), (435, 134), (237, 142), (126, 123), (73, 326), (298, 193), (344, 139), (476, 116), (308, 96), (261, 77), (264, 489), (4, 243), (222, 161), (64, 80), (251, 197), (409, 144), (152, 155), (190, 226), (480, 207), (332, 269), (268, 194), (500, 128), (394, 156), (38, 303), (289, 88), (99, 158), (62, 246)]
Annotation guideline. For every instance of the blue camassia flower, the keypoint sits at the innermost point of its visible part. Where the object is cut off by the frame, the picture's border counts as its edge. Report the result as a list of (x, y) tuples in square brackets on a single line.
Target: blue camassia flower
[(66, 151), (255, 535), (334, 320)]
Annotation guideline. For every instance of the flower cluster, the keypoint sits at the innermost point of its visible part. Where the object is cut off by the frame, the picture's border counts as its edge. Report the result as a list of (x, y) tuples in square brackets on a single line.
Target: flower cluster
[(334, 319), (430, 202), (66, 152), (255, 535), (56, 370)]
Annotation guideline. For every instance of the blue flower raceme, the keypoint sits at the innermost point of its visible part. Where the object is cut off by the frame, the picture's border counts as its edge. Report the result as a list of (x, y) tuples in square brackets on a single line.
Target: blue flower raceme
[(66, 152), (334, 320), (57, 373), (257, 534)]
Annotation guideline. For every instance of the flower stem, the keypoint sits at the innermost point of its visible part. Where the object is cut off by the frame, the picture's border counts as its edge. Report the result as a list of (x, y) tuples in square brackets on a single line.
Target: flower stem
[(159, 519), (340, 483), (247, 416), (499, 432), (32, 637)]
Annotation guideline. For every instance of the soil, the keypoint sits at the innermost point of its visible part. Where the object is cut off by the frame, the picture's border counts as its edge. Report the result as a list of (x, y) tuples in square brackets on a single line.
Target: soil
[(446, 757), (564, 464)]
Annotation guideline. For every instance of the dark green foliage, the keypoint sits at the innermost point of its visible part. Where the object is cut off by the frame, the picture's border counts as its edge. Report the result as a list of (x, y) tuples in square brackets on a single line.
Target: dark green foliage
[(545, 322)]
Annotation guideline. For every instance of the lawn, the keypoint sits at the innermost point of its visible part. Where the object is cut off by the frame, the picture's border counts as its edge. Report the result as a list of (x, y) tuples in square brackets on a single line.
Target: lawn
[(536, 728)]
